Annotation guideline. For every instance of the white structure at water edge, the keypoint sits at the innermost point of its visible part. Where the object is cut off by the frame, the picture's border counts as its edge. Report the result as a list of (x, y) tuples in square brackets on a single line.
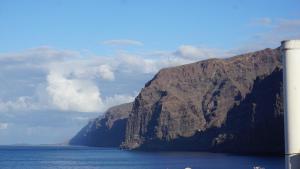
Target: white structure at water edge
[(291, 79)]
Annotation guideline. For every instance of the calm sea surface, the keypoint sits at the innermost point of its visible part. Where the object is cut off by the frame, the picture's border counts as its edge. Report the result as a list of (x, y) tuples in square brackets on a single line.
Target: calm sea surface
[(29, 157)]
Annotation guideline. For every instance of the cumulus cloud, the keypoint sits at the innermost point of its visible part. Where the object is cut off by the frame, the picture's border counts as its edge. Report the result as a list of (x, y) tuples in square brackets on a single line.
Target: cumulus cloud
[(152, 62), (3, 126), (106, 72), (69, 81), (81, 95), (189, 51), (135, 63), (24, 73), (72, 85), (123, 42), (73, 94)]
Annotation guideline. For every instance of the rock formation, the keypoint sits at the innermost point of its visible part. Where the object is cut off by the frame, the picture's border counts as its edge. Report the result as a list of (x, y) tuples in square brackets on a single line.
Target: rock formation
[(211, 105), (107, 131), (219, 105)]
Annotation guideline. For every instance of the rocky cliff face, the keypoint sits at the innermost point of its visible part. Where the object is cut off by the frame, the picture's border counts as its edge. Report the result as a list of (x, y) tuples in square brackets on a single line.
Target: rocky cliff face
[(256, 124), (107, 131), (211, 105), (220, 105)]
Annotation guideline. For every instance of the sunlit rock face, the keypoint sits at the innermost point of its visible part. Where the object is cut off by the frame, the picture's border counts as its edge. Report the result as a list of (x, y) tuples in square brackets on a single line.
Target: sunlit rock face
[(107, 131), (229, 105), (219, 105)]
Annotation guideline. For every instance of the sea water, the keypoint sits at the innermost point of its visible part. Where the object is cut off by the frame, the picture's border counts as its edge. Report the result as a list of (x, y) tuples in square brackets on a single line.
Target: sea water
[(68, 157)]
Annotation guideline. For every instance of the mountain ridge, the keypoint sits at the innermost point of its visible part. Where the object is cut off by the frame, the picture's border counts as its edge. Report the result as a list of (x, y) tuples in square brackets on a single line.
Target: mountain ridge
[(197, 107), (181, 101)]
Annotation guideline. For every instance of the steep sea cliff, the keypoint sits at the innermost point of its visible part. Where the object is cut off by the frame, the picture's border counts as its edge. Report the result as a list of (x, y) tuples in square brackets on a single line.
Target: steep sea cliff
[(220, 105)]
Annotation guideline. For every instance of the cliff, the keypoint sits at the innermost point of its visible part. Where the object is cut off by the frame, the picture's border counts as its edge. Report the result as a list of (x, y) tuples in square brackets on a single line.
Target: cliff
[(224, 105), (107, 131), (218, 105)]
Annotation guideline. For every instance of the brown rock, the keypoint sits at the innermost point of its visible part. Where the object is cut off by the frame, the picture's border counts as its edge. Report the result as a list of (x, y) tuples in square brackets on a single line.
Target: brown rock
[(183, 102), (107, 131)]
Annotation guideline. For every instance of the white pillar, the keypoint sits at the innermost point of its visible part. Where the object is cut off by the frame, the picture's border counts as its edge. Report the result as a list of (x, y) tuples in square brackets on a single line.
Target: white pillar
[(291, 81)]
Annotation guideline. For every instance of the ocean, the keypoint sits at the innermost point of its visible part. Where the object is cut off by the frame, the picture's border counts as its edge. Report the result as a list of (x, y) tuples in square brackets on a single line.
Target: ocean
[(68, 157)]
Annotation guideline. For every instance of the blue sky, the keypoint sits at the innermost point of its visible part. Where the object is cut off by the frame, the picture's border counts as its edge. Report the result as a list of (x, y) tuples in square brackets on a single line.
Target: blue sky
[(63, 62), (83, 25)]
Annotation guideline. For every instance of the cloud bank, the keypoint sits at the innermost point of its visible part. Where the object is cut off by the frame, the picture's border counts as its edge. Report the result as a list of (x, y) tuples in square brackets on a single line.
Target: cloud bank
[(68, 80)]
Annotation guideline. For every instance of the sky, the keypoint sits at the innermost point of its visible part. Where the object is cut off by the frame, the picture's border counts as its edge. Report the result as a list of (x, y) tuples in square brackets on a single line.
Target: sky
[(64, 62)]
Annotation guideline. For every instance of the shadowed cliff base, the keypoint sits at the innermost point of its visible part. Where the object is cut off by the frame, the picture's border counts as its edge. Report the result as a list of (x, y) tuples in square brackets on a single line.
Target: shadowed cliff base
[(107, 131)]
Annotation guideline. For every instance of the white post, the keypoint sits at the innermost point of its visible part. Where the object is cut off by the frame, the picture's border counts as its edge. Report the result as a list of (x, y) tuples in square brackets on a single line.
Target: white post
[(291, 81)]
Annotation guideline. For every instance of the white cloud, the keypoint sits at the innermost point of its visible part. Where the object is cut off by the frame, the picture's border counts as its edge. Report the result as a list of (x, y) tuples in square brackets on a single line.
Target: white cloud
[(190, 52), (22, 103), (65, 80), (73, 94), (72, 87), (106, 72), (184, 54), (134, 63), (3, 126), (152, 62), (123, 42), (118, 99)]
